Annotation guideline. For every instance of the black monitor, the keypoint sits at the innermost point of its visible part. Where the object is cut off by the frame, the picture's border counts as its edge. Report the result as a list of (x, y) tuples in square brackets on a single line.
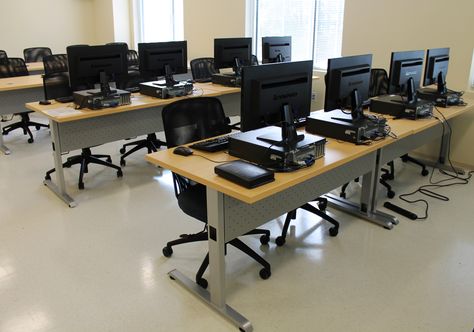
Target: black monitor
[(163, 59), (267, 90), (89, 65), (232, 53), (347, 84), (436, 68), (276, 49), (405, 73)]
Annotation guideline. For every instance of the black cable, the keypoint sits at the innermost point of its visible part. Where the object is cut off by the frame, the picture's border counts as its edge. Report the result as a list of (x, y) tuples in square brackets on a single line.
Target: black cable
[(214, 161)]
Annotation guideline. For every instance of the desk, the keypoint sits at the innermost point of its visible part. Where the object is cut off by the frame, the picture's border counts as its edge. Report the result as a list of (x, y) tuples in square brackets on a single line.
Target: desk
[(76, 129), (35, 67), (14, 92), (234, 210)]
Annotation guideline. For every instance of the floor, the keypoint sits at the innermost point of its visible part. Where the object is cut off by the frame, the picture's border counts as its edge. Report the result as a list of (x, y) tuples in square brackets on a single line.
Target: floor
[(99, 267)]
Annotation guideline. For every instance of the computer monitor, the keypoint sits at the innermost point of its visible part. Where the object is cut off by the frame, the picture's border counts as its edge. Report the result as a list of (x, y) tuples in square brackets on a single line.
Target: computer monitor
[(89, 65), (347, 84), (163, 59), (436, 68), (405, 73), (276, 49), (268, 88), (232, 53)]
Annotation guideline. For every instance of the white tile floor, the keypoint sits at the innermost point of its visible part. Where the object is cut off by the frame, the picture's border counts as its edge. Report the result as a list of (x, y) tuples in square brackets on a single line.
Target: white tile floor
[(98, 267)]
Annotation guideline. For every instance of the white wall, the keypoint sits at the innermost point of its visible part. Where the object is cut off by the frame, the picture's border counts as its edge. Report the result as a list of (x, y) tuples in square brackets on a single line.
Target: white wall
[(380, 27), (52, 23)]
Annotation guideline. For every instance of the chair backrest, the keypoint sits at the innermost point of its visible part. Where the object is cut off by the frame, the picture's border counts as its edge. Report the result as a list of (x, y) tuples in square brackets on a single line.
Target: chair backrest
[(254, 60), (193, 119), (3, 57), (132, 60), (118, 43), (54, 64), (35, 54), (378, 82), (202, 68), (13, 67)]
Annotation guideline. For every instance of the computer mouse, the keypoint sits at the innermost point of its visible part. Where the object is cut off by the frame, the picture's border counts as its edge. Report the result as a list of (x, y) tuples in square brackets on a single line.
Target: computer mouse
[(183, 151), (44, 102)]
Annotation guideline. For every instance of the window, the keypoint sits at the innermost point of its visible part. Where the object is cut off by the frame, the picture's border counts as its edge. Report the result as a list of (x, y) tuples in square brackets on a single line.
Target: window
[(315, 26), (160, 20)]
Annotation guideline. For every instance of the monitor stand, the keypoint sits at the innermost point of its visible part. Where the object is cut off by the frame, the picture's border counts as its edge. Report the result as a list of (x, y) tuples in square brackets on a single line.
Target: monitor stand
[(105, 89), (441, 95), (357, 110)]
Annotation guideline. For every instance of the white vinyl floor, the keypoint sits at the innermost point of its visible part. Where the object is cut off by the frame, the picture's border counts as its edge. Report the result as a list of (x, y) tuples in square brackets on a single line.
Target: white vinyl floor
[(99, 267)]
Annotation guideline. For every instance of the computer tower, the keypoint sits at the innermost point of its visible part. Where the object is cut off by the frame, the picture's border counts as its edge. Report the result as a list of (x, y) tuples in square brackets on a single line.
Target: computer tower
[(397, 106)]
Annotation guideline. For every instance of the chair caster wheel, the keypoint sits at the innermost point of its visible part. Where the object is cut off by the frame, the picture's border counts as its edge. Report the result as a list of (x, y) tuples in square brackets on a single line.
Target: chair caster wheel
[(172, 278), (80, 186), (37, 127), (404, 159), (342, 195), (265, 273), (30, 140), (202, 282), (280, 241), (122, 162), (167, 251), (323, 205), (122, 150), (333, 231), (109, 160), (390, 194), (390, 177), (424, 172), (119, 174), (47, 177), (264, 239)]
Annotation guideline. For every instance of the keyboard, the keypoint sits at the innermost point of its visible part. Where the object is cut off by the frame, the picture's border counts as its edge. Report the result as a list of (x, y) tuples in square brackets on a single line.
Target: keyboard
[(212, 145)]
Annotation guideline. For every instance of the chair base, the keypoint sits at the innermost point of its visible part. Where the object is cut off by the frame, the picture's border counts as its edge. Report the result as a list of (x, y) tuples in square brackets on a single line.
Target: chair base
[(322, 204), (84, 159), (24, 124), (151, 143)]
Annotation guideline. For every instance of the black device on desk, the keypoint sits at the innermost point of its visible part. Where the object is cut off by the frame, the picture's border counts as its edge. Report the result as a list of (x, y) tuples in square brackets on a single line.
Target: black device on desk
[(163, 91), (213, 144), (436, 70), (89, 65), (347, 87), (232, 53), (404, 79)]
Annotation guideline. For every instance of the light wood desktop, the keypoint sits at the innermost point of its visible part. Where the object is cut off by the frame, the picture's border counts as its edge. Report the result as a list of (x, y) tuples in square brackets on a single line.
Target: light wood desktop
[(14, 92), (35, 67)]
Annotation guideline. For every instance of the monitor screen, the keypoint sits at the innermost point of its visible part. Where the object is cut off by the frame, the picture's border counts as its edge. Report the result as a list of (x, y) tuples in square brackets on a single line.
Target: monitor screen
[(86, 63), (403, 66), (276, 49), (267, 88), (227, 50), (344, 76), (154, 57), (437, 60)]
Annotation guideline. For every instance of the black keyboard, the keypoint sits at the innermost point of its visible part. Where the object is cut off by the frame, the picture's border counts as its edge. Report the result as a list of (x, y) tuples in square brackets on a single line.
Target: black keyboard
[(212, 145)]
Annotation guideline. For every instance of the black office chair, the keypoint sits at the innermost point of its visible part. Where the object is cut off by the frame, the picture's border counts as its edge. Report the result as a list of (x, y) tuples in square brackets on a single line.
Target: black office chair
[(56, 77), (254, 60), (3, 57), (132, 60), (56, 85), (203, 68), (17, 67), (189, 120), (35, 54)]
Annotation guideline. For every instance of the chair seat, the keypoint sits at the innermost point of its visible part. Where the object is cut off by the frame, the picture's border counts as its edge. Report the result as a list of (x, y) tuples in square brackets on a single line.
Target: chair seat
[(193, 202)]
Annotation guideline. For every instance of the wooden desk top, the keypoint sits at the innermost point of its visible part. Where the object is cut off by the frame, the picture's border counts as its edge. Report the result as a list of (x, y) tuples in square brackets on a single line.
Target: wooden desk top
[(66, 112), (35, 66), (201, 170), (20, 82)]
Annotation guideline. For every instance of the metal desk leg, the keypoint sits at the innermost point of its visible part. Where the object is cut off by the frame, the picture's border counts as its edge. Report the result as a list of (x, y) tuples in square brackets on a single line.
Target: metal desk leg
[(3, 147), (60, 189), (215, 297), (368, 200), (443, 156)]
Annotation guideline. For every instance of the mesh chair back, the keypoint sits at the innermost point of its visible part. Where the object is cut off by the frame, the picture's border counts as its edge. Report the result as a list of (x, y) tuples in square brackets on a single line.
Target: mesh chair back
[(3, 57), (54, 64), (194, 119), (203, 68), (56, 76), (14, 67), (378, 82), (254, 60), (132, 60), (35, 54)]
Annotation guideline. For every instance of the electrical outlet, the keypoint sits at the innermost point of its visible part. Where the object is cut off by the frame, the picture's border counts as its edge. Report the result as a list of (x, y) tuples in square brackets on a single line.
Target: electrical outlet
[(313, 95)]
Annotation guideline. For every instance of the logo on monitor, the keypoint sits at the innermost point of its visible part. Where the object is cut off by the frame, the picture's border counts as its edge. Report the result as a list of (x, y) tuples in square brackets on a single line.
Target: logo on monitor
[(285, 96)]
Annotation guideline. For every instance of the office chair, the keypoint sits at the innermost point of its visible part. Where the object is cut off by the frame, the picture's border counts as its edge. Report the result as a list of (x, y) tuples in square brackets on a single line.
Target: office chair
[(203, 68), (132, 60), (17, 67), (56, 85), (186, 121), (35, 54), (254, 60), (3, 57)]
